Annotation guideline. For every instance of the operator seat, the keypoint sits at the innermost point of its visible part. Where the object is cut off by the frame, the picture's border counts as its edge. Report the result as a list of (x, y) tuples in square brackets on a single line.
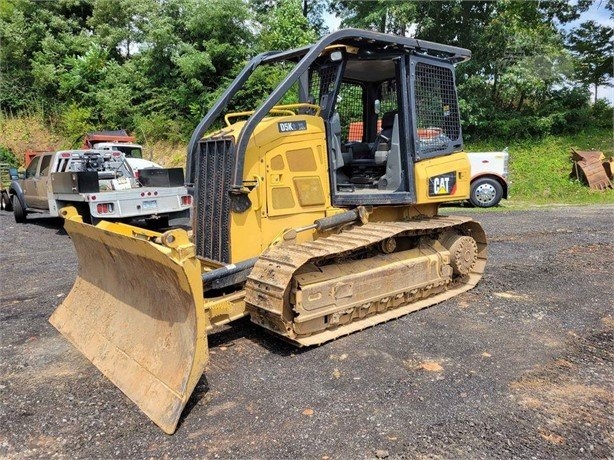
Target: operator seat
[(335, 139), (386, 133), (335, 145)]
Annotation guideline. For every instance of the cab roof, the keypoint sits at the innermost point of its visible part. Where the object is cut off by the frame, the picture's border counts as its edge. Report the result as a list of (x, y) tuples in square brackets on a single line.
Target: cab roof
[(368, 45)]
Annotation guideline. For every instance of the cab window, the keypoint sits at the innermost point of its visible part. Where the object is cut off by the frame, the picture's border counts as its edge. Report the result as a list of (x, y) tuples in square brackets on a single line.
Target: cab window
[(31, 169), (45, 164), (134, 153), (130, 152)]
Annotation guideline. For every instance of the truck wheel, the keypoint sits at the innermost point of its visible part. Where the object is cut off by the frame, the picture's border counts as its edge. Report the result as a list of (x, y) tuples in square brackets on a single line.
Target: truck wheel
[(18, 211), (486, 192)]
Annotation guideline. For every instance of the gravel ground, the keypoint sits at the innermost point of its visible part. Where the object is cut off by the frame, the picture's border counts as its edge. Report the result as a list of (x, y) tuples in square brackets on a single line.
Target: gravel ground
[(519, 367)]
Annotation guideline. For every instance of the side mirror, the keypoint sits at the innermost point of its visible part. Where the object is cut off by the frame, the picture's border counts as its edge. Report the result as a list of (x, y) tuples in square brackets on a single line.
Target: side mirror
[(336, 56), (377, 104)]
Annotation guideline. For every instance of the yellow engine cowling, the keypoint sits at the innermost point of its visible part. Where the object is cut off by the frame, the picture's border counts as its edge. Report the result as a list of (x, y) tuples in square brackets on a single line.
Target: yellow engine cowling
[(288, 176)]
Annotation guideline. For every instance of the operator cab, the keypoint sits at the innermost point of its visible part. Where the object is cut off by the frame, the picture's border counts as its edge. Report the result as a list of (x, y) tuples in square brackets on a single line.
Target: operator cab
[(383, 112)]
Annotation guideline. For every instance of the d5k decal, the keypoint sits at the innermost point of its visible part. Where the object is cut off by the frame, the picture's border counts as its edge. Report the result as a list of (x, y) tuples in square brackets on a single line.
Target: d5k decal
[(443, 184)]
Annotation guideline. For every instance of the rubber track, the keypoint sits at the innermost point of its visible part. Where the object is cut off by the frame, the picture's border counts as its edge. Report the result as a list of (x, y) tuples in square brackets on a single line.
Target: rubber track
[(271, 276)]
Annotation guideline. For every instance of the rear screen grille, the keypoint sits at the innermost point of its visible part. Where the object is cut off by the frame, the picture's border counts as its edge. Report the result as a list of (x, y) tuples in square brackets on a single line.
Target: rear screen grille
[(212, 227), (437, 115)]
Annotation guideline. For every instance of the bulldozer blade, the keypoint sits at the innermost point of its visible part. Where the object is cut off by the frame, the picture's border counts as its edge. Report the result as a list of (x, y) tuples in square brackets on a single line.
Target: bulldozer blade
[(136, 312)]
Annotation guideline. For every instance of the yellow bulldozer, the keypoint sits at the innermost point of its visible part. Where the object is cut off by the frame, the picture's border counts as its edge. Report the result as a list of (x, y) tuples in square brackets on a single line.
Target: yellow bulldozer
[(309, 231)]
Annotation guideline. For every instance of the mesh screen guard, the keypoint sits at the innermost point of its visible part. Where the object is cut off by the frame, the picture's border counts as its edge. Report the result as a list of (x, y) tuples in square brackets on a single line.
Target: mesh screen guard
[(437, 118)]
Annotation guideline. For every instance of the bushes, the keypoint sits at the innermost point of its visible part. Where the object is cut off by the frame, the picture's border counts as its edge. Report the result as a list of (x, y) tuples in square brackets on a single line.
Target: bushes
[(159, 127), (75, 121), (602, 114), (6, 156), (564, 111)]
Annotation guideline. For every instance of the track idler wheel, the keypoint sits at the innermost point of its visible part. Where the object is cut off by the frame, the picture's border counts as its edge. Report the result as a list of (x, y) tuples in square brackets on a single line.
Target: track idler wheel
[(463, 252)]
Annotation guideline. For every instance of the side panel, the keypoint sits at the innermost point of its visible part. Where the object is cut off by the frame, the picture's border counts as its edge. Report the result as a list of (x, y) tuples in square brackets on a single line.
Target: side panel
[(286, 168), (442, 179), (75, 182), (296, 179), (297, 185)]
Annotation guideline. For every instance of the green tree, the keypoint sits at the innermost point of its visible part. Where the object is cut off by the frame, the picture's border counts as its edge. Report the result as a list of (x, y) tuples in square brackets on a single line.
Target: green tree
[(312, 10), (379, 15), (118, 25), (285, 27), (121, 60), (593, 48), (35, 37), (519, 57)]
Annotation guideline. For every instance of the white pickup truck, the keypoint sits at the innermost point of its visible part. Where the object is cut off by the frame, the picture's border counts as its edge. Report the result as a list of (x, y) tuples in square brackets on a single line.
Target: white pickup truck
[(489, 181), (101, 185)]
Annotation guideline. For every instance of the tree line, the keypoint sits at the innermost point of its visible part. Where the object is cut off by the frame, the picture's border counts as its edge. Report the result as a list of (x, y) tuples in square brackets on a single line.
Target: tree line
[(155, 66)]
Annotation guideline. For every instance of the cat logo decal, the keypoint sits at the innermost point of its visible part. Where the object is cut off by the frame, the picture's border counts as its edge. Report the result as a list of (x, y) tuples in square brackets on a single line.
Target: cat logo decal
[(443, 184)]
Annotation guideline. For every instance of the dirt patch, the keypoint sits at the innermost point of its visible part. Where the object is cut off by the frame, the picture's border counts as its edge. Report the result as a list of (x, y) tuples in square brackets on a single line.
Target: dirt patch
[(572, 392)]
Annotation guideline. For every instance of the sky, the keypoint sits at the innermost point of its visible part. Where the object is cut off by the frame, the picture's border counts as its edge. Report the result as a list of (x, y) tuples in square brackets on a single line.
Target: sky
[(597, 12)]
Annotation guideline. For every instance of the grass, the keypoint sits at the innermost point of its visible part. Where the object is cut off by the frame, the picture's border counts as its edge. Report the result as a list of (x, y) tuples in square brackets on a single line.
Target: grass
[(540, 169), (30, 132), (166, 153)]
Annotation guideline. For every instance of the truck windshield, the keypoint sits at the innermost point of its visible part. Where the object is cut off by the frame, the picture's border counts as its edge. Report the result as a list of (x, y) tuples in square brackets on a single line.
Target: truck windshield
[(130, 152)]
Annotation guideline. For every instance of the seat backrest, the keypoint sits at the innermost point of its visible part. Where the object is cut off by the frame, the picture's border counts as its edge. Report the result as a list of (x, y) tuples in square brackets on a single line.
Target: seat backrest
[(388, 124), (393, 178), (335, 139)]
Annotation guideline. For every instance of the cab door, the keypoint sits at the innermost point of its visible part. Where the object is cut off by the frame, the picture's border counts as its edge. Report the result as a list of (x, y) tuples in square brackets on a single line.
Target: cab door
[(28, 184), (42, 179)]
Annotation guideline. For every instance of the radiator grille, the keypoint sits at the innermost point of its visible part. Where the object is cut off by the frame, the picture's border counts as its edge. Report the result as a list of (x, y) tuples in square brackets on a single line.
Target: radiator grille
[(212, 225)]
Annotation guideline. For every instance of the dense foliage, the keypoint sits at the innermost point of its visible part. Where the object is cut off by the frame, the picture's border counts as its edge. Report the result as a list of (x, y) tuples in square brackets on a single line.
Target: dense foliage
[(155, 66), (522, 80)]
